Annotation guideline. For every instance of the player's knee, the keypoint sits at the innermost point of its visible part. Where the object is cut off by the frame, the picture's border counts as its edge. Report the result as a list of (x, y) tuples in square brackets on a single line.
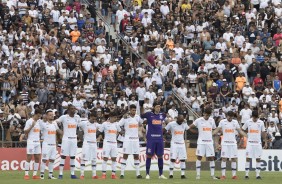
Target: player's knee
[(63, 157), (182, 160), (73, 157)]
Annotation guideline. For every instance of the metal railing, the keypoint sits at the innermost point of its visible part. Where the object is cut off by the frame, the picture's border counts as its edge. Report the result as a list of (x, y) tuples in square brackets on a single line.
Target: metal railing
[(192, 111)]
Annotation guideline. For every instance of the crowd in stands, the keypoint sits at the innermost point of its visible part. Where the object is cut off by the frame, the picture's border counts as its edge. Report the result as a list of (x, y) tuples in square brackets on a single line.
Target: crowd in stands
[(220, 53)]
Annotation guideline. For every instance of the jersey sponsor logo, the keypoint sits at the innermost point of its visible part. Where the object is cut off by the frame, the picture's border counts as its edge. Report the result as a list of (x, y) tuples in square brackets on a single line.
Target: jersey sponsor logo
[(133, 126), (112, 131), (229, 130), (207, 129), (156, 122), (91, 131), (36, 130), (51, 132), (72, 126), (178, 132), (155, 135), (253, 131)]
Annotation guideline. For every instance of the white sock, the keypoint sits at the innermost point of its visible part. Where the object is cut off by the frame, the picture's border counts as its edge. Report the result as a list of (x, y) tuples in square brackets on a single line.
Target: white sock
[(93, 163), (171, 167), (26, 168), (183, 168), (35, 168), (51, 168), (82, 167), (42, 168), (198, 167), (258, 168), (72, 166), (223, 168), (62, 164), (137, 167), (234, 168), (212, 165), (104, 166), (122, 166), (247, 168), (114, 167)]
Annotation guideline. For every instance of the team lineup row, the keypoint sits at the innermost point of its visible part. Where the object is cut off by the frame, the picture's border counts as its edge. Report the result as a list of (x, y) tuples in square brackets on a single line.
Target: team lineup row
[(129, 124)]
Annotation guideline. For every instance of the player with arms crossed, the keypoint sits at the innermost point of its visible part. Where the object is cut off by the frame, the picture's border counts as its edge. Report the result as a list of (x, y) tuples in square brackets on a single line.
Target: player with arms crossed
[(49, 130), (205, 146), (155, 144), (131, 123), (177, 144), (32, 130), (256, 130), (111, 129), (89, 148), (70, 122), (229, 149)]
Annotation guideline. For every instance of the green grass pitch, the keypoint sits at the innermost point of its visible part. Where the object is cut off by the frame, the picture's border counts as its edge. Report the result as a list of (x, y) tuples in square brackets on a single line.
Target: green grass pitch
[(16, 177)]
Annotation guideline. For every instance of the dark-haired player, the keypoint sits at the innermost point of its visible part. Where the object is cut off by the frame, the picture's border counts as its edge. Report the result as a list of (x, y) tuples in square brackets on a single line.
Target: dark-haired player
[(205, 146), (177, 144), (229, 150), (111, 129), (256, 130), (155, 145), (89, 148), (69, 141), (32, 130), (131, 123)]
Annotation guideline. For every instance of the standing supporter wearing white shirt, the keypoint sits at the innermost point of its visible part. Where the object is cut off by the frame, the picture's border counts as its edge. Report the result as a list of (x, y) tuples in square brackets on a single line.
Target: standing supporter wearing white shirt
[(256, 131), (89, 148), (32, 130), (69, 141), (49, 130), (131, 123), (111, 129), (229, 150), (205, 147), (150, 95), (227, 35), (177, 145), (140, 91), (72, 21), (120, 15), (146, 20), (164, 9), (245, 114), (178, 52), (253, 100), (55, 13), (239, 39), (173, 113)]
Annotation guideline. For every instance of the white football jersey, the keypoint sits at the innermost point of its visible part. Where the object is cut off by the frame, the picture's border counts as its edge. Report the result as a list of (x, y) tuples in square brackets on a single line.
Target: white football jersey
[(131, 125), (90, 130), (205, 128), (111, 130), (34, 134), (229, 131), (49, 131), (177, 131), (254, 131), (69, 125)]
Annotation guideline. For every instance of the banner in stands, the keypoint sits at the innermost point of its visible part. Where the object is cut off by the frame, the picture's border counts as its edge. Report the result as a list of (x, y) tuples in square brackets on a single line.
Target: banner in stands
[(14, 159), (270, 161)]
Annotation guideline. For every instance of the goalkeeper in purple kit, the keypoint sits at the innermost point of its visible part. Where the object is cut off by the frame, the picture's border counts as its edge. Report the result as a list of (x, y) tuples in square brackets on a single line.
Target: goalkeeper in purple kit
[(155, 145)]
